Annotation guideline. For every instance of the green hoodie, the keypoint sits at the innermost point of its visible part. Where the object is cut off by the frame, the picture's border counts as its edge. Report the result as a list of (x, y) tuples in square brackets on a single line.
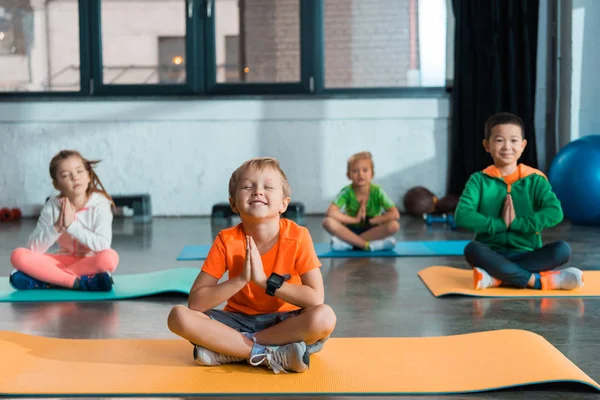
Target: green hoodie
[(536, 208)]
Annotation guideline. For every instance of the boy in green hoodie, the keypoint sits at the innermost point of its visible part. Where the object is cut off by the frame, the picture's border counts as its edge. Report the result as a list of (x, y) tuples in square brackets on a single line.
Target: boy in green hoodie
[(508, 205)]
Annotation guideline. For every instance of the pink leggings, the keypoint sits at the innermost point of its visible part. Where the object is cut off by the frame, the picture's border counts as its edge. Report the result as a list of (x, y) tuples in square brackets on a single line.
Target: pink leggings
[(62, 270)]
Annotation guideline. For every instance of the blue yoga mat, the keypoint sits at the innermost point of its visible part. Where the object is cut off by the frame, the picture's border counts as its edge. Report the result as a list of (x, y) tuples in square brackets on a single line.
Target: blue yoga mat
[(175, 280), (402, 249)]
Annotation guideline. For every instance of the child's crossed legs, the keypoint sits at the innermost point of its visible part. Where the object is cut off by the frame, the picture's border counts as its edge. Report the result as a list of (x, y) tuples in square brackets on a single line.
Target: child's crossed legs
[(360, 236), (224, 337), (63, 270), (523, 269)]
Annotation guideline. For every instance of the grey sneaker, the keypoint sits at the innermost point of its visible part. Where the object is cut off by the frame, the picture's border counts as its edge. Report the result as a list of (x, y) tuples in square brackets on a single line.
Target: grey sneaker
[(316, 346), (291, 357), (204, 356)]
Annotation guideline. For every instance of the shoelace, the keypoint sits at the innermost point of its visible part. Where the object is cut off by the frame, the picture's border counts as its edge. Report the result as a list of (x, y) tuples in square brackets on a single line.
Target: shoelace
[(274, 359)]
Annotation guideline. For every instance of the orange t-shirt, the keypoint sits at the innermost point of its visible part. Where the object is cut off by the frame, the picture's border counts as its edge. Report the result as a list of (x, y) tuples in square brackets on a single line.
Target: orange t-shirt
[(293, 254)]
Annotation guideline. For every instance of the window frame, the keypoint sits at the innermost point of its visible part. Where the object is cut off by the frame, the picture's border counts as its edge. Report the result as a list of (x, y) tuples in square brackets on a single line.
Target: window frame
[(304, 86), (201, 77), (101, 88)]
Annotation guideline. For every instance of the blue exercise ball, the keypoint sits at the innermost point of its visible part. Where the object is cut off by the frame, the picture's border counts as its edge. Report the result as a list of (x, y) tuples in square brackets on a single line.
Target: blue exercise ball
[(575, 178)]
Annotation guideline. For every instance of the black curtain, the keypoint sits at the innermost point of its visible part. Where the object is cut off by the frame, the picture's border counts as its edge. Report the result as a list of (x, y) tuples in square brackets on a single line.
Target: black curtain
[(495, 53)]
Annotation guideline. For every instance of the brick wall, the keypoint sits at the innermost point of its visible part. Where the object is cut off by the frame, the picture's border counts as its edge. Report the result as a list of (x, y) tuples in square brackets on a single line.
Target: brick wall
[(272, 35), (367, 42)]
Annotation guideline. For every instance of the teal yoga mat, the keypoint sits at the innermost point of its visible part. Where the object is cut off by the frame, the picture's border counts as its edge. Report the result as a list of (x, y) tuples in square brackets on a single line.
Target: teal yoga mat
[(175, 280), (402, 249)]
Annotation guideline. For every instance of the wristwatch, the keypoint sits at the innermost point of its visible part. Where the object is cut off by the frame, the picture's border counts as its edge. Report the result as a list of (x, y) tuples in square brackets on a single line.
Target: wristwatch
[(275, 281)]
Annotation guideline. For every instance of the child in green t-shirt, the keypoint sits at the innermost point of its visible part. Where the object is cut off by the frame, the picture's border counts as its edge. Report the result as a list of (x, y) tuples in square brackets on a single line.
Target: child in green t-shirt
[(362, 215), (508, 205)]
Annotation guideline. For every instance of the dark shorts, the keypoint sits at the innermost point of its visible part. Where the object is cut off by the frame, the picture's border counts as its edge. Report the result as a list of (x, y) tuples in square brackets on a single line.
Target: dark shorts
[(358, 229), (250, 323)]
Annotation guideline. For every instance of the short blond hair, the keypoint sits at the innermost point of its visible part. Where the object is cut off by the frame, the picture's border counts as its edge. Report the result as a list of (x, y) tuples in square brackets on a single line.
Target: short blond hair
[(363, 155), (260, 164)]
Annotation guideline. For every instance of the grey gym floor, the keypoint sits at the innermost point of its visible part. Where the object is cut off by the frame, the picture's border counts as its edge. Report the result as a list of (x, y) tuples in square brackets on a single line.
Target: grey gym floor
[(372, 297)]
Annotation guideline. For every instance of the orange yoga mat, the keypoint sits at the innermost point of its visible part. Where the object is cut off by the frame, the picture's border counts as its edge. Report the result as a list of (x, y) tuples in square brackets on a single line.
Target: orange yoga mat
[(445, 281), (38, 366)]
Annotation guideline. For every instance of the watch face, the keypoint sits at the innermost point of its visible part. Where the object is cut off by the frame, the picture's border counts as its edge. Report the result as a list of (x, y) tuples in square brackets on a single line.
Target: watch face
[(277, 279)]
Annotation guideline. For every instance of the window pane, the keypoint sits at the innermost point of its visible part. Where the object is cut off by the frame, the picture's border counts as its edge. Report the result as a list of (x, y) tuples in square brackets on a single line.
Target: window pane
[(385, 43), (257, 41), (143, 42), (39, 46)]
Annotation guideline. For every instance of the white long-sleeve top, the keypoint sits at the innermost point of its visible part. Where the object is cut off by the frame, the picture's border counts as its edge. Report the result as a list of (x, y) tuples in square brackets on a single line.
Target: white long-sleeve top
[(90, 232)]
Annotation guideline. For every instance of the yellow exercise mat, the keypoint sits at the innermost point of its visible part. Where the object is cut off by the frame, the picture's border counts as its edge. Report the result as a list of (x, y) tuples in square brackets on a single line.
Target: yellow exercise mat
[(445, 281), (33, 365)]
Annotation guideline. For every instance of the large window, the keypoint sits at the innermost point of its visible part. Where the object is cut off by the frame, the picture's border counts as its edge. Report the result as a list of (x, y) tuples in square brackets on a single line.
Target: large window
[(267, 40), (384, 43), (39, 46), (143, 42), (210, 47)]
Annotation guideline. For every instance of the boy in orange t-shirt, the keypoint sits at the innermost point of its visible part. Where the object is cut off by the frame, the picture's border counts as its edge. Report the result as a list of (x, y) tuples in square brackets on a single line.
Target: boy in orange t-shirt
[(274, 314)]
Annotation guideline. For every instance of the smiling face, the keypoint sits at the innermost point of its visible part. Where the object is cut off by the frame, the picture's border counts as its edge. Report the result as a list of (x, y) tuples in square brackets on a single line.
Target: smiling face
[(259, 194), (72, 178), (505, 145)]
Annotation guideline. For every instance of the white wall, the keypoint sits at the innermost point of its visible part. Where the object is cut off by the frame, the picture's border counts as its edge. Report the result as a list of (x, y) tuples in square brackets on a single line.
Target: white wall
[(183, 152), (580, 82), (541, 86), (585, 79)]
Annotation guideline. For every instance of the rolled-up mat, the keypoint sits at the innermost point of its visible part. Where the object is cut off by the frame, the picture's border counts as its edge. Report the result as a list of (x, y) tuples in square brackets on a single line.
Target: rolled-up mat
[(446, 281), (38, 366), (174, 280)]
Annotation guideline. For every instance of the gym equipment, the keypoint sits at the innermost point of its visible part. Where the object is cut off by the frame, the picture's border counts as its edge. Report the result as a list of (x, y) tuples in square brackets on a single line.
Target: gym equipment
[(447, 219), (445, 281), (174, 280), (323, 250), (50, 367), (419, 200), (575, 178)]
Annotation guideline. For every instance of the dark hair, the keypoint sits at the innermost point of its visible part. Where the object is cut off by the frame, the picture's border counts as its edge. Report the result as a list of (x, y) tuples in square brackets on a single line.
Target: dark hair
[(501, 119), (95, 185)]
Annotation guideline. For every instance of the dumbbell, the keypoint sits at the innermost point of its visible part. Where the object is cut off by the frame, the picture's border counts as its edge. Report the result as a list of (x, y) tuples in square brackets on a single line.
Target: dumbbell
[(7, 215), (430, 219)]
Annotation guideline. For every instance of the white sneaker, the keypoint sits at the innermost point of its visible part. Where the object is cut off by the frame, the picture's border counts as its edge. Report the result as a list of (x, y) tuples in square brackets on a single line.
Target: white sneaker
[(483, 280), (204, 356), (383, 244), (338, 244)]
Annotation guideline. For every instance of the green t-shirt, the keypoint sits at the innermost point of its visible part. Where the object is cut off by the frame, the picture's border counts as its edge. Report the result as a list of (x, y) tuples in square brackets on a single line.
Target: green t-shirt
[(379, 202)]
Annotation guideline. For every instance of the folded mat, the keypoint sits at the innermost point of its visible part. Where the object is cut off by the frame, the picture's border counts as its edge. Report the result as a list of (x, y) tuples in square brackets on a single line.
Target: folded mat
[(174, 280), (38, 366), (402, 249), (445, 281)]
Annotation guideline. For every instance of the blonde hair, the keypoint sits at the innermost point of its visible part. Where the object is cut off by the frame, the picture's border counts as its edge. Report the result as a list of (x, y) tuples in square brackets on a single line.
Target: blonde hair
[(260, 164), (95, 186), (363, 155)]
